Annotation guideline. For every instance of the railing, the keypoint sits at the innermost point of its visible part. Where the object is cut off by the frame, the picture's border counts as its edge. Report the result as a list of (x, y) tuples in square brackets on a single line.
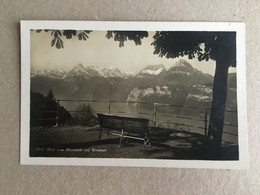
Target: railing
[(199, 122), (44, 107)]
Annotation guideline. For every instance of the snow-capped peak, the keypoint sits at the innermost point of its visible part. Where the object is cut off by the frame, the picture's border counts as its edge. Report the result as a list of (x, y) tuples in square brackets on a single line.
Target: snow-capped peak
[(59, 74), (181, 67), (85, 71), (182, 63), (112, 72), (92, 71), (152, 70)]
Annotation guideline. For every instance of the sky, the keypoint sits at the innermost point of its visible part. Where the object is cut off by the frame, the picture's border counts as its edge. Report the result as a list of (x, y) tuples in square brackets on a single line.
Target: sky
[(99, 51)]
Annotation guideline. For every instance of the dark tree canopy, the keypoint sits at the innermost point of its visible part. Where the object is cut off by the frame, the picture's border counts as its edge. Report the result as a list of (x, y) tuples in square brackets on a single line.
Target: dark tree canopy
[(171, 44), (82, 35), (47, 108), (69, 33), (123, 36), (217, 45), (57, 34), (50, 95)]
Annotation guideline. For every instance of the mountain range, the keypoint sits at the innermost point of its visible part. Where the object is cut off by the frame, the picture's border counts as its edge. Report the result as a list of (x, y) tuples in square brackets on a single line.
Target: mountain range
[(181, 84), (79, 71)]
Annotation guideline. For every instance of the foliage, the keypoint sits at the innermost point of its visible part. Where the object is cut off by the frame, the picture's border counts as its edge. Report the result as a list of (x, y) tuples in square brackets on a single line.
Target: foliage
[(217, 45), (50, 95), (57, 34), (44, 111), (64, 117), (69, 33), (57, 40), (85, 116), (171, 44), (120, 36), (123, 36)]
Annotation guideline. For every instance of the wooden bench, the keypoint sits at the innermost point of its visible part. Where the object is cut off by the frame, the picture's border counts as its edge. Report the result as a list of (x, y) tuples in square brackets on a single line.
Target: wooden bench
[(124, 127)]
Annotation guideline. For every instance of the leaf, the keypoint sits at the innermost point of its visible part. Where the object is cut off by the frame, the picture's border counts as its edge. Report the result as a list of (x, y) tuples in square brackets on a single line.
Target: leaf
[(53, 42), (109, 34), (82, 36), (69, 33), (56, 34), (59, 43), (79, 36), (87, 31)]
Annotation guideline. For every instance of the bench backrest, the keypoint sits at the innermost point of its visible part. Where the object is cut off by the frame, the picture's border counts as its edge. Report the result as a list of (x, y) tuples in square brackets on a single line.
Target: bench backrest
[(133, 125)]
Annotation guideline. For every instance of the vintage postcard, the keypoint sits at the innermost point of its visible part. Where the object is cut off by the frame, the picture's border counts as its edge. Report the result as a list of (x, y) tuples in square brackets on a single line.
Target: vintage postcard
[(143, 94)]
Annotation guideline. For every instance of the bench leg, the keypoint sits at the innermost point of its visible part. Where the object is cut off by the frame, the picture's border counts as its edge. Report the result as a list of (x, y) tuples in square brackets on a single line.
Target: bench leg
[(147, 140), (100, 132), (121, 137), (127, 137)]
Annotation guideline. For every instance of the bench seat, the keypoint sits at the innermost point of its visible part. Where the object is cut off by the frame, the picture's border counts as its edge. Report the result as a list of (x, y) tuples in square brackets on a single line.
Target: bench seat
[(124, 127)]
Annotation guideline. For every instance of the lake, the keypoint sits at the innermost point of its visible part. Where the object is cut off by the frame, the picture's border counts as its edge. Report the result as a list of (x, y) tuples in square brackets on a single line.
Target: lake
[(169, 117)]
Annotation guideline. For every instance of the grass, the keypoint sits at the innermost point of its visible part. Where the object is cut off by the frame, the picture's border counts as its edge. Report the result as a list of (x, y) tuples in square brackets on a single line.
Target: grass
[(82, 142)]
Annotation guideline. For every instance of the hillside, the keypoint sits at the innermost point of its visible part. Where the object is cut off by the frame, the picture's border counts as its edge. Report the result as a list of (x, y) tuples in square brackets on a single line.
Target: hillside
[(181, 84)]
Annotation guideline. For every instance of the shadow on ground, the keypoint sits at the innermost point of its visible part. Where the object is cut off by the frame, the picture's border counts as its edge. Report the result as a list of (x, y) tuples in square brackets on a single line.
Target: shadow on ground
[(79, 141)]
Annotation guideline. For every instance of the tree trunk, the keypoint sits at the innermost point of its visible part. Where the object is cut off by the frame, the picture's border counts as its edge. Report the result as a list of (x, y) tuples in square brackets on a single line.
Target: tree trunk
[(218, 104)]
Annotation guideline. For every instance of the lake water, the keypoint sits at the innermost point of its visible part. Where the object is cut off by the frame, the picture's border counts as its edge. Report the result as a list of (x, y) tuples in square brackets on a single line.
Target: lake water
[(166, 116)]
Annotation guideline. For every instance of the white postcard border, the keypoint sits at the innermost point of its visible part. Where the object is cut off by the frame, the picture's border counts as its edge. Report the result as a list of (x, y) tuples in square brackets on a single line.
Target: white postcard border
[(239, 28)]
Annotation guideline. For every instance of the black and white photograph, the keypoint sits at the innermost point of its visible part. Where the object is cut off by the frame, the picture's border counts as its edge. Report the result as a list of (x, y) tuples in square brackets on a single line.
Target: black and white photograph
[(148, 94)]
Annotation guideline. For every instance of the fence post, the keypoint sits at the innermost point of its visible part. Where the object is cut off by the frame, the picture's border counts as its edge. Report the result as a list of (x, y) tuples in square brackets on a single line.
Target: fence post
[(155, 110), (57, 113), (108, 104), (206, 121)]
